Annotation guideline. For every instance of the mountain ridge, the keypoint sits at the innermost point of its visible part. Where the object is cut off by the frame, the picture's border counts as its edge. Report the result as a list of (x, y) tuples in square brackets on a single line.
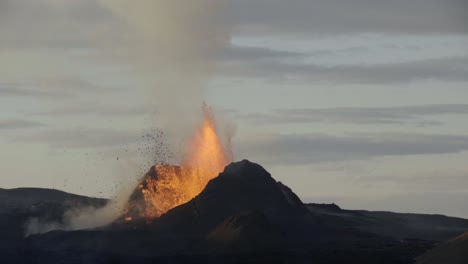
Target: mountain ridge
[(242, 212)]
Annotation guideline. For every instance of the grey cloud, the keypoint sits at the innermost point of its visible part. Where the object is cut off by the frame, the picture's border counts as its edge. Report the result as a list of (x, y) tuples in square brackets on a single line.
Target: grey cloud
[(449, 69), (302, 149), (345, 16), (344, 51), (361, 115), (80, 137), (49, 24), (96, 110), (68, 87), (56, 24), (21, 90), (69, 24), (19, 124), (438, 180), (244, 53)]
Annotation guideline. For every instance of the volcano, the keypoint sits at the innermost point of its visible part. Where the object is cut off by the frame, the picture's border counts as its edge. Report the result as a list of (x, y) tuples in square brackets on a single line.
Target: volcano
[(246, 194), (207, 209), (243, 215), (244, 191), (167, 186)]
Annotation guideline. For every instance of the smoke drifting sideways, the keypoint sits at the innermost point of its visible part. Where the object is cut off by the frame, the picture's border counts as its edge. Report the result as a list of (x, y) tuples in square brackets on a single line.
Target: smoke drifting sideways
[(86, 217), (174, 43), (171, 46)]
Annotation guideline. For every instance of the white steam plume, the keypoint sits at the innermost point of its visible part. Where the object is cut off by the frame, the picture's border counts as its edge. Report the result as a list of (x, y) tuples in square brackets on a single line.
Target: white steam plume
[(171, 43), (84, 217)]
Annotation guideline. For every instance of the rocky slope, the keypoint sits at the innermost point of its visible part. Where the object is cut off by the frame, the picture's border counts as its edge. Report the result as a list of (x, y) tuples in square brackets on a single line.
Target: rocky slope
[(454, 251), (20, 206), (396, 225), (241, 215)]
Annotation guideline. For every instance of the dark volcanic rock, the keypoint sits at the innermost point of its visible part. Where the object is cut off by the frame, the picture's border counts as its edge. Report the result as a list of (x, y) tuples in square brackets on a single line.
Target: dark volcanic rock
[(25, 198), (248, 231), (243, 215), (292, 198), (454, 251), (19, 206), (324, 207), (395, 225), (244, 187)]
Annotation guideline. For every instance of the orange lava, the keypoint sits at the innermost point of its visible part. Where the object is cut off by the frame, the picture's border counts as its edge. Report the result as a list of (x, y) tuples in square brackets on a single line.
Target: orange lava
[(205, 158)]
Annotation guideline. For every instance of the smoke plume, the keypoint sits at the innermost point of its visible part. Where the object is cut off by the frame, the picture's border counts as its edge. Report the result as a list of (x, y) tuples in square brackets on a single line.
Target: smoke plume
[(166, 47), (83, 217), (171, 44)]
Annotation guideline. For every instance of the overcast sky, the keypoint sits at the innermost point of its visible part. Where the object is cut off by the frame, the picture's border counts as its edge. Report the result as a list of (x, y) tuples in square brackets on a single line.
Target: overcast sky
[(359, 102)]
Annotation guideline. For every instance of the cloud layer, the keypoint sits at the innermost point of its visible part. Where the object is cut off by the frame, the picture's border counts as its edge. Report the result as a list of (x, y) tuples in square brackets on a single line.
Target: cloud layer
[(302, 149), (361, 115), (348, 17)]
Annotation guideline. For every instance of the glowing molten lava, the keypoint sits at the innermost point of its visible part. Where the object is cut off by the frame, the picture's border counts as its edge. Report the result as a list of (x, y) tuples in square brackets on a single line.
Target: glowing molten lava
[(165, 187)]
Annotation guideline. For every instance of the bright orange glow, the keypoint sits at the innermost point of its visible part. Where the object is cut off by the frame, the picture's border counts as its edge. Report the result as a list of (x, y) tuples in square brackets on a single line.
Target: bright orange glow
[(166, 186)]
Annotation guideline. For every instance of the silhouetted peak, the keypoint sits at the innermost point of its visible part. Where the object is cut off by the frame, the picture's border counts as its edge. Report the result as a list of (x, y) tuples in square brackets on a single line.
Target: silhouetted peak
[(244, 168), (242, 187), (244, 182), (327, 207)]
